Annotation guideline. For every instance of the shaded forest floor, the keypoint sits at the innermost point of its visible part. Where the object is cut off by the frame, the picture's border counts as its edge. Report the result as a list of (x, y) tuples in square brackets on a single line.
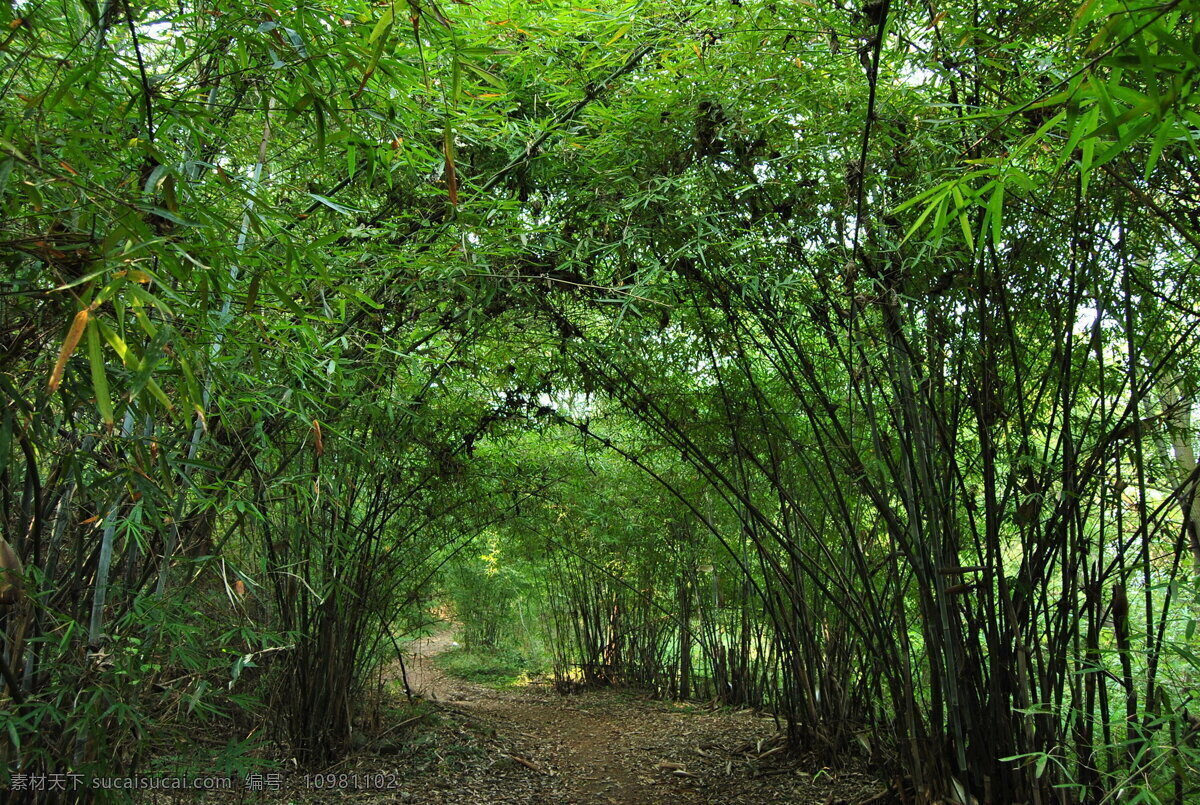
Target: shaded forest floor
[(469, 743)]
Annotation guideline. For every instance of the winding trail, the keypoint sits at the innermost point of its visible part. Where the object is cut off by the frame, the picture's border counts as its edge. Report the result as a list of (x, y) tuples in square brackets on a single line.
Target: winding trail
[(607, 747)]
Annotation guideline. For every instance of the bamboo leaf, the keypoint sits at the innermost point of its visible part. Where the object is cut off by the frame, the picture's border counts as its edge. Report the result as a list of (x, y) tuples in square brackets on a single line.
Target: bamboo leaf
[(936, 190), (335, 206), (451, 174), (386, 20), (68, 346), (252, 293), (157, 393), (99, 378), (624, 29), (151, 357), (163, 212), (935, 203), (491, 78), (117, 343), (964, 222), (1040, 134), (195, 397), (376, 54), (996, 212)]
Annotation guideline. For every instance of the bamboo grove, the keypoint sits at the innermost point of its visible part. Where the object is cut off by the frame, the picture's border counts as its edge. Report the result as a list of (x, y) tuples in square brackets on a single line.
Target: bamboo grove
[(832, 359)]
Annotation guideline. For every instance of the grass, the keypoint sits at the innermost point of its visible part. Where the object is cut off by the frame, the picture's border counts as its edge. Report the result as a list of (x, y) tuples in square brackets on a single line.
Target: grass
[(498, 668)]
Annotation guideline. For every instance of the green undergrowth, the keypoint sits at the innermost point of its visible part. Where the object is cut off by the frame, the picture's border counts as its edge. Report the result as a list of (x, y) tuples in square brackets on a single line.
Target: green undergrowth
[(495, 668)]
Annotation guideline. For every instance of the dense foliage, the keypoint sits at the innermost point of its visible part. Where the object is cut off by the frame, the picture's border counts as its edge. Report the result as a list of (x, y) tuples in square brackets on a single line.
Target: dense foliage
[(834, 359)]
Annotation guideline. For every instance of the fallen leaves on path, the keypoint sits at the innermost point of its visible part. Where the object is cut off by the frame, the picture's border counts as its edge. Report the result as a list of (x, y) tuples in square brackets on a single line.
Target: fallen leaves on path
[(530, 745)]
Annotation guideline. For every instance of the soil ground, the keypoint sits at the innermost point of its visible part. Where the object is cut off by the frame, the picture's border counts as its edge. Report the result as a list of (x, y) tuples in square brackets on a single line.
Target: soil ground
[(468, 743)]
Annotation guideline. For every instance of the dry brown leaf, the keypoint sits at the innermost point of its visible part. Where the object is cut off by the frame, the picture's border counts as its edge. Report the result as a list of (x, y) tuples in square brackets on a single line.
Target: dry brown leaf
[(69, 344)]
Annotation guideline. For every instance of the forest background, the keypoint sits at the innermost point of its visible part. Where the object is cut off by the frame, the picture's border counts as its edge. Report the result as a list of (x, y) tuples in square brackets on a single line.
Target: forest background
[(827, 358)]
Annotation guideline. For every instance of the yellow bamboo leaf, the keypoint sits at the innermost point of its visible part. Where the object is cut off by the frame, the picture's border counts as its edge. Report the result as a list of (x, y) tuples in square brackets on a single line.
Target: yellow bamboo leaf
[(68, 347)]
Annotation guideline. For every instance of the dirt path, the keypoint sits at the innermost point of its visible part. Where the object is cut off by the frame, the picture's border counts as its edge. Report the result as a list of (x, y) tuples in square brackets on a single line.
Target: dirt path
[(531, 745)]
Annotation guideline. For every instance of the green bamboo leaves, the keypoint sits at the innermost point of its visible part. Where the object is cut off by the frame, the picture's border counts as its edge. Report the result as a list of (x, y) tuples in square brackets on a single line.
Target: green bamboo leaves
[(957, 200), (1130, 104), (97, 332), (99, 378)]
